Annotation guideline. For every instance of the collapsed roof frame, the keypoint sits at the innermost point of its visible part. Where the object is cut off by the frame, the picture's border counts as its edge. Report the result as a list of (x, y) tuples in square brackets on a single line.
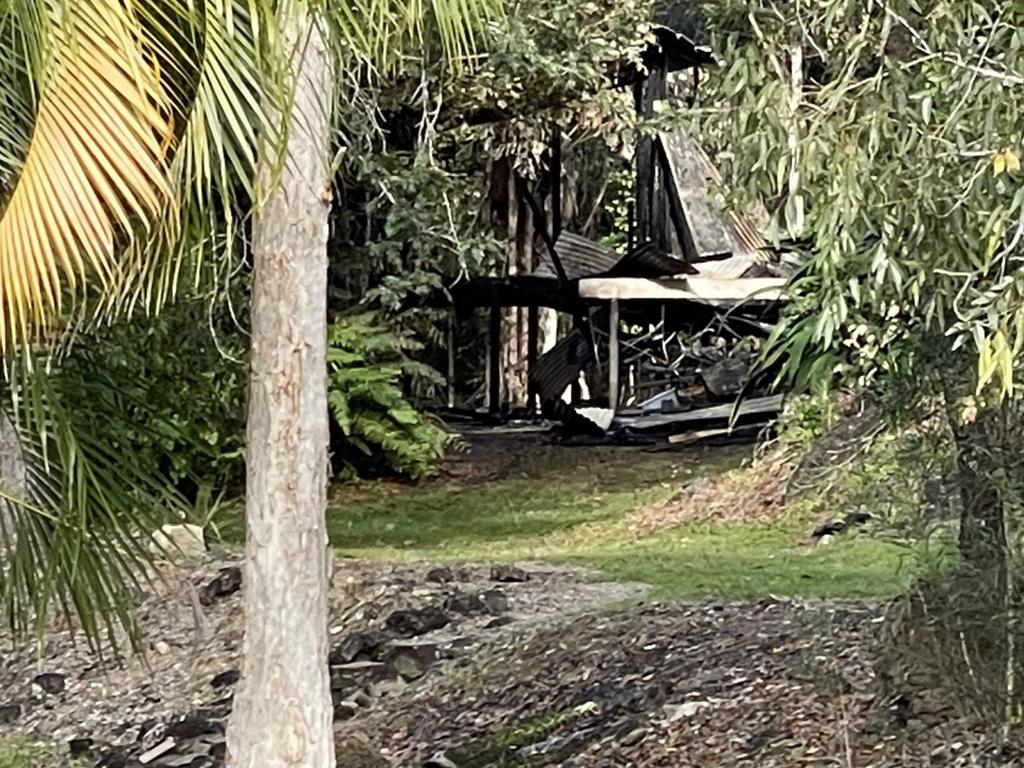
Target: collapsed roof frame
[(575, 274)]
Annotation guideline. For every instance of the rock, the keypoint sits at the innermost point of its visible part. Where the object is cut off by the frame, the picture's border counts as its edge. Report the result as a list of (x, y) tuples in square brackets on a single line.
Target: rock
[(192, 726), (411, 660), (415, 623), (441, 575), (225, 583), (494, 601), (408, 669), (465, 603), (633, 737), (225, 679), (508, 574), (161, 647), (9, 713), (358, 646), (50, 682), (80, 747), (825, 540), (180, 541), (345, 710), (676, 712)]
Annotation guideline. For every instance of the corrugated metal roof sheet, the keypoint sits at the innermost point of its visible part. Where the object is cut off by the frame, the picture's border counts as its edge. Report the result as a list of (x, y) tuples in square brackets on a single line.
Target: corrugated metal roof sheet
[(582, 258), (560, 366)]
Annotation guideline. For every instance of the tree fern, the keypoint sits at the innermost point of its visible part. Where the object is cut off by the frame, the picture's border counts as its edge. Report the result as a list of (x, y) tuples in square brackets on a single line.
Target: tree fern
[(377, 427)]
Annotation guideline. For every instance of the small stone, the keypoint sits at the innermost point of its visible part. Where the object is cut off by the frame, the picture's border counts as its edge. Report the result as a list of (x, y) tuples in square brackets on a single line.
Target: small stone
[(411, 660), (415, 623), (826, 540), (357, 646), (161, 647), (675, 713), (192, 726), (81, 747), (9, 713), (494, 601), (225, 583), (465, 603), (225, 679), (508, 574), (441, 575), (50, 682), (633, 737), (180, 541), (345, 710)]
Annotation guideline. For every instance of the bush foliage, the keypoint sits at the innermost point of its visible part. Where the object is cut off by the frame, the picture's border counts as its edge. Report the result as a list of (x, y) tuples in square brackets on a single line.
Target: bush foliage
[(376, 425)]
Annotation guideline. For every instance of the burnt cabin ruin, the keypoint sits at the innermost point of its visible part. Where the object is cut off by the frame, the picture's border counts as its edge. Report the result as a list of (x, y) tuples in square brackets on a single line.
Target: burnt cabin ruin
[(659, 340)]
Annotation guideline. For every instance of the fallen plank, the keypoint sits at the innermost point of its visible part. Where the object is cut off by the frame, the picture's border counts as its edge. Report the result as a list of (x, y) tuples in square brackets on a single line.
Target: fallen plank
[(754, 407)]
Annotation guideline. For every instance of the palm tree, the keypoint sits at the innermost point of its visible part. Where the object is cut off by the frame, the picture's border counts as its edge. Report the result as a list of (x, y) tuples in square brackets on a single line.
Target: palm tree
[(136, 137)]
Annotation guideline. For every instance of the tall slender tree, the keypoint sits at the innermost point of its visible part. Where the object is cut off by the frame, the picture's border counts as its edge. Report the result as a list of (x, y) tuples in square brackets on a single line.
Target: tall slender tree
[(139, 134)]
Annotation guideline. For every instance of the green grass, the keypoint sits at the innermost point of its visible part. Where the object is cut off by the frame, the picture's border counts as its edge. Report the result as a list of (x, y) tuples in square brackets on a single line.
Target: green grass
[(20, 752), (570, 506), (742, 562)]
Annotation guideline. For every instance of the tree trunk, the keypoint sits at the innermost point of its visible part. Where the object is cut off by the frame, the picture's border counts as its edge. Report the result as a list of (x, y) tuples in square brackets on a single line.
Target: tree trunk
[(13, 484), (283, 715)]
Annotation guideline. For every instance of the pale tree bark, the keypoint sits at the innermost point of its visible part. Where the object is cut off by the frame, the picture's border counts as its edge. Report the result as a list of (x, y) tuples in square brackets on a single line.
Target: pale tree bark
[(13, 485), (283, 715)]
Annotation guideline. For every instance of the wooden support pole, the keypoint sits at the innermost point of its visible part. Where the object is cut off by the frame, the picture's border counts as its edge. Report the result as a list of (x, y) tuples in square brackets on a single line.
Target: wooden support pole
[(494, 365), (532, 349), (613, 355), (451, 359)]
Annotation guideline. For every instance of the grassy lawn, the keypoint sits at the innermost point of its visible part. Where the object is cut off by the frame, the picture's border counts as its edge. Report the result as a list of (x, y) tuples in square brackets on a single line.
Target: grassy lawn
[(19, 752), (570, 505)]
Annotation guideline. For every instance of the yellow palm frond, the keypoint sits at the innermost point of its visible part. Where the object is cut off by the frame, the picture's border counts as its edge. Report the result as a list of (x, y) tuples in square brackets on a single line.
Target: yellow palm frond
[(95, 170)]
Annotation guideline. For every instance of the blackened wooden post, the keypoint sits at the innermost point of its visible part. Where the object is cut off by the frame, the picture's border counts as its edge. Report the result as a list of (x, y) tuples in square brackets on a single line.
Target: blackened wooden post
[(494, 365), (532, 349), (613, 355), (451, 359)]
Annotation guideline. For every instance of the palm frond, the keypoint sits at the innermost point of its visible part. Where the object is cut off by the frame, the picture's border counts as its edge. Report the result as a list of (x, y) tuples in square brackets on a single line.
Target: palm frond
[(98, 145), (75, 532), (213, 172), (380, 33)]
